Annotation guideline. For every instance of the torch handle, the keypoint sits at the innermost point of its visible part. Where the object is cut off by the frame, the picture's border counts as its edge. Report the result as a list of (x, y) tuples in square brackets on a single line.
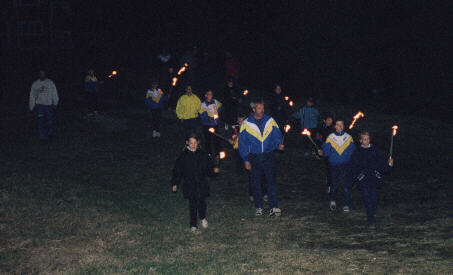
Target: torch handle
[(220, 136), (391, 146), (314, 143)]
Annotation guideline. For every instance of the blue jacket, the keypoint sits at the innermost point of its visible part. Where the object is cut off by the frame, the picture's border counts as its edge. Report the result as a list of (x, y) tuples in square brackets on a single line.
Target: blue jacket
[(155, 99), (338, 148), (367, 166), (308, 117), (257, 138), (208, 110)]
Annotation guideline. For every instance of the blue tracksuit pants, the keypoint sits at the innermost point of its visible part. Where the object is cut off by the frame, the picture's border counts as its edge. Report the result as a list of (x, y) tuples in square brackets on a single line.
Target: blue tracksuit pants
[(263, 164), (337, 173), (45, 118)]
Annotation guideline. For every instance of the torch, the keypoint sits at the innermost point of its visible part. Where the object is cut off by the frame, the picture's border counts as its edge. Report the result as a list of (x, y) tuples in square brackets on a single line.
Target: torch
[(394, 128), (356, 117), (307, 133), (222, 155), (286, 98), (245, 92), (286, 129), (212, 131), (114, 73), (174, 81), (291, 103)]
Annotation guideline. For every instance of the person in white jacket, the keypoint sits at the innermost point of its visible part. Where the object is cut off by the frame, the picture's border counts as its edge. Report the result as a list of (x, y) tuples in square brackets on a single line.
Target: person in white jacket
[(44, 98)]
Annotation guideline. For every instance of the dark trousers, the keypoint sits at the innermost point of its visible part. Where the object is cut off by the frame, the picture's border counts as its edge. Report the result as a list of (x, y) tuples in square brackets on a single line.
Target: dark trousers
[(212, 145), (197, 208), (328, 173), (92, 101), (337, 173), (263, 165), (190, 126), (370, 200), (45, 119), (156, 117), (263, 185)]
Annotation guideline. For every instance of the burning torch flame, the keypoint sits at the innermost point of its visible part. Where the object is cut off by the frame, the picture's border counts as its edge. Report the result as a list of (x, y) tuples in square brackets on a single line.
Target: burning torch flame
[(183, 69), (212, 130), (395, 128), (174, 81), (246, 92), (291, 103), (216, 116), (287, 128), (222, 154), (356, 117), (305, 132), (286, 98), (113, 74)]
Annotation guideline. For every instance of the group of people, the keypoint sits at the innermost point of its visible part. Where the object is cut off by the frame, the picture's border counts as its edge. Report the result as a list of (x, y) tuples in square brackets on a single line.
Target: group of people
[(255, 136)]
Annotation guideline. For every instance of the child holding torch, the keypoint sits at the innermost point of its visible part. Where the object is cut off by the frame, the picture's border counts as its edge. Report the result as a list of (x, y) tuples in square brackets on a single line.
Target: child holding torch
[(209, 114), (308, 116), (191, 170), (155, 98), (338, 149), (367, 166)]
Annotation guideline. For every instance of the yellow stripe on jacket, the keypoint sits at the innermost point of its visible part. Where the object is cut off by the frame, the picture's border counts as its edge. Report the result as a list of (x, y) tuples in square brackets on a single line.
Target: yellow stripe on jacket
[(253, 129), (339, 148), (188, 107)]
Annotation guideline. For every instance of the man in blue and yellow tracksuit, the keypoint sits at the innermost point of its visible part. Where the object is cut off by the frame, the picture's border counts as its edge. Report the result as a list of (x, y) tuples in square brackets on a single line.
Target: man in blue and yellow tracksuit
[(259, 137), (338, 148)]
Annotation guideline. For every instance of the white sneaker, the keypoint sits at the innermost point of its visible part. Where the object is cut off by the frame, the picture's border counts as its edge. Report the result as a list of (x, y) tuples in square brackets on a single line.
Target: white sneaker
[(333, 205), (259, 212), (193, 229), (157, 134), (346, 209), (226, 127), (265, 198), (251, 198), (328, 189), (154, 133), (275, 212), (204, 223)]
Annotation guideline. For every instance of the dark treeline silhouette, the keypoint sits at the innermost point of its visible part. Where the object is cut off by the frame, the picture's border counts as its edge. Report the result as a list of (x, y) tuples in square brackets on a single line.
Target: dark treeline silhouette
[(396, 54)]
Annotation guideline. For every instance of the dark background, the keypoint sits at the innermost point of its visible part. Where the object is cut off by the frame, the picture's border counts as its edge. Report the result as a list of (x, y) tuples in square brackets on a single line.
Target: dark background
[(334, 50)]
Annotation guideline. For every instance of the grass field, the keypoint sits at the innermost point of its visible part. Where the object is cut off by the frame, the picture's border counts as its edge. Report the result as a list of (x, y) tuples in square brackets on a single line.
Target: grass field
[(97, 200)]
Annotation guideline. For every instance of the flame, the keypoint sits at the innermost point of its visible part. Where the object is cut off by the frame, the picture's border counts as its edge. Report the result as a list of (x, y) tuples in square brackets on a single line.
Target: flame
[(222, 154), (186, 65), (174, 81), (216, 116), (246, 92), (212, 130), (286, 98), (287, 128), (113, 74), (305, 132), (395, 128), (291, 103), (356, 117), (183, 69)]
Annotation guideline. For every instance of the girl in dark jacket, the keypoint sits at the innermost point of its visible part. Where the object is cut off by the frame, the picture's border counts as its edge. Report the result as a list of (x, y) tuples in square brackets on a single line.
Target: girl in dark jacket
[(192, 169), (367, 166)]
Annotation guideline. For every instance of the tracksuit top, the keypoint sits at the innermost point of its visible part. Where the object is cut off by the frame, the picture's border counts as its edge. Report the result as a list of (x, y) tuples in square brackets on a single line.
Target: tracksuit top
[(208, 110), (43, 93), (308, 117), (338, 148), (155, 98), (367, 165), (258, 136), (188, 106)]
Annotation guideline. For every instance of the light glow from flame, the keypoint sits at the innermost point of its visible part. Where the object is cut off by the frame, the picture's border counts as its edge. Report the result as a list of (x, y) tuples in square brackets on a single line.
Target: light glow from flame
[(174, 81), (291, 103), (222, 155), (356, 117), (212, 130), (183, 69), (305, 132), (395, 128), (216, 116), (287, 128), (286, 98), (113, 74), (246, 92)]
